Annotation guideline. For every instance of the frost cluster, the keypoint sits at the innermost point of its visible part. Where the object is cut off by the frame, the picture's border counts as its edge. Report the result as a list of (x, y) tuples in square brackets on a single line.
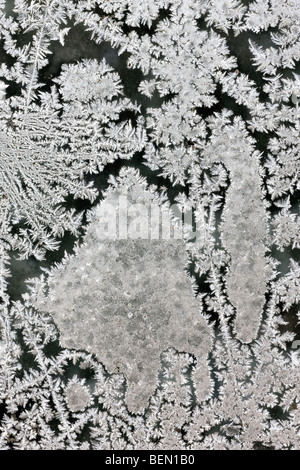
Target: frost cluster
[(139, 341)]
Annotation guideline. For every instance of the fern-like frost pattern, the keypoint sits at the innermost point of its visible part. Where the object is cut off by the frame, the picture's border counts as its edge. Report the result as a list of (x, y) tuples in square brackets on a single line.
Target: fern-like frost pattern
[(149, 224)]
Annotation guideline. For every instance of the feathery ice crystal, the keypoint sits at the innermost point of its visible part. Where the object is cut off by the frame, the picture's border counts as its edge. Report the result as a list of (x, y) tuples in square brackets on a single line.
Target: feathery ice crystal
[(136, 342), (127, 301)]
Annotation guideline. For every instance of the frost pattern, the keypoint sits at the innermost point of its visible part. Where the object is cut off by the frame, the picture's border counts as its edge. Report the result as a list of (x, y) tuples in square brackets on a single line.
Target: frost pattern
[(127, 302), (173, 102), (244, 226)]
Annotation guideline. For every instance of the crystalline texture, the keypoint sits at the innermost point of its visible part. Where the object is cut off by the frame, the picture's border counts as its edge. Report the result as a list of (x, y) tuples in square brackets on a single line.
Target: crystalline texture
[(126, 301)]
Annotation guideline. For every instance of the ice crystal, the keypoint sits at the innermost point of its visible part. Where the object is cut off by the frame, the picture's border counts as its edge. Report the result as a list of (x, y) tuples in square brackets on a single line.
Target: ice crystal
[(149, 183), (77, 396), (127, 301)]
